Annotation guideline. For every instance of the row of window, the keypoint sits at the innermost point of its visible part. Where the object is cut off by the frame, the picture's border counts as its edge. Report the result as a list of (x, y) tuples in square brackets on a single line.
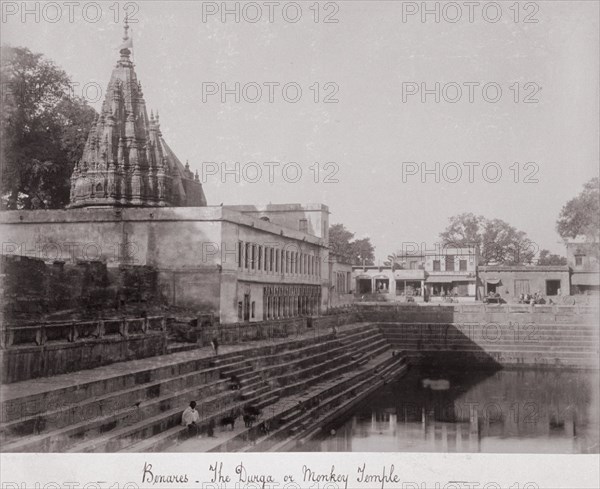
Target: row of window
[(252, 256), (449, 262)]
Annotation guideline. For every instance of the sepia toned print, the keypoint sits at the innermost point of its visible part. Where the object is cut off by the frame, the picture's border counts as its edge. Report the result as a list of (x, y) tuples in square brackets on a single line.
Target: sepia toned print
[(304, 227)]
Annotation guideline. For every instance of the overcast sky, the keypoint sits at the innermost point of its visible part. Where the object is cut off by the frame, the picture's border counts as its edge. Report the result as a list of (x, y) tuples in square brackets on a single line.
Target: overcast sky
[(365, 57)]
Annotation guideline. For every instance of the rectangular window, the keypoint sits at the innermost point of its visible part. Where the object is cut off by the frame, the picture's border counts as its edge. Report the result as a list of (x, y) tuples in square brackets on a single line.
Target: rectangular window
[(303, 225), (240, 311), (449, 263), (259, 267), (521, 287), (253, 260), (253, 309), (578, 260), (552, 287), (436, 265), (247, 255), (462, 264), (271, 259), (240, 254)]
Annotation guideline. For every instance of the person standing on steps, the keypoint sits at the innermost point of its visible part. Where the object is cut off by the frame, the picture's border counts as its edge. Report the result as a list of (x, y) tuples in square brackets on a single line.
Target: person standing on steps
[(215, 345)]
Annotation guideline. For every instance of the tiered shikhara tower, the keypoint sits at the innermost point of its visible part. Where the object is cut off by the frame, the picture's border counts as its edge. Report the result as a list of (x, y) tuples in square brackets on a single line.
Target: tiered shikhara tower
[(126, 162)]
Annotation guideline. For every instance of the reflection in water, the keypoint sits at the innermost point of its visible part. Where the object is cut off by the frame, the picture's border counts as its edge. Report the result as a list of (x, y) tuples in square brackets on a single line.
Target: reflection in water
[(504, 411)]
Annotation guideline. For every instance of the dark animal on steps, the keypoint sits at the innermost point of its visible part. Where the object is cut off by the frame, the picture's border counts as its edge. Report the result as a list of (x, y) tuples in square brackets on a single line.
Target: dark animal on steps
[(252, 410), (249, 420), (228, 421), (235, 383), (265, 428)]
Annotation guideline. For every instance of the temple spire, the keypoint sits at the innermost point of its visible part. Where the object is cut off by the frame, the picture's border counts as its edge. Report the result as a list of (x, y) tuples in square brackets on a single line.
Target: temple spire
[(126, 45), (125, 161)]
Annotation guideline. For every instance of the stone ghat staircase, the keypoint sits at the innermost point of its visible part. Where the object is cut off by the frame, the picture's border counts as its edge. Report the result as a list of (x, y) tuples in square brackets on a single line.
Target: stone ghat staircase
[(140, 410), (288, 374), (528, 345)]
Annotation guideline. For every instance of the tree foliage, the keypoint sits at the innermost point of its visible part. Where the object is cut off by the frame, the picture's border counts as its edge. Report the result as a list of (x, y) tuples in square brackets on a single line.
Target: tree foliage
[(499, 242), (43, 129), (341, 242), (546, 258), (580, 216)]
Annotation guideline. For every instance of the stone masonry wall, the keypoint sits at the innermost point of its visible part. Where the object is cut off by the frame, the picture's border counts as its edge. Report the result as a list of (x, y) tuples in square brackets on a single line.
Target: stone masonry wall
[(33, 289)]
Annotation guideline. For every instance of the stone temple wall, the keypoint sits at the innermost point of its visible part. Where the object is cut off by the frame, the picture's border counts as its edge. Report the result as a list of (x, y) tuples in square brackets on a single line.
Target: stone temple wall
[(33, 289)]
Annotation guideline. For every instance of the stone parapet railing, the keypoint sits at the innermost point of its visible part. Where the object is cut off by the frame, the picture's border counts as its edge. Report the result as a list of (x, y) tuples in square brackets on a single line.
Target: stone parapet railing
[(265, 330), (76, 331)]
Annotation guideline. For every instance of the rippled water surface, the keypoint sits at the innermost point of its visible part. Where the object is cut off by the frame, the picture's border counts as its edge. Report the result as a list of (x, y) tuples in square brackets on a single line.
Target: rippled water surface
[(461, 411)]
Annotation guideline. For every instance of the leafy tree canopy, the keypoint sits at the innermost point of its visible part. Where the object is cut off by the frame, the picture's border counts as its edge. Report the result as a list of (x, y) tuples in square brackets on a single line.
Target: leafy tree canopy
[(546, 258), (499, 242), (580, 216), (356, 251), (43, 129)]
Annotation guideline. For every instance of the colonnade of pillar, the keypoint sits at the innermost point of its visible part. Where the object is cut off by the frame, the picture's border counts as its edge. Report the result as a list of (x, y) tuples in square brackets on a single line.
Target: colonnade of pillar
[(291, 301)]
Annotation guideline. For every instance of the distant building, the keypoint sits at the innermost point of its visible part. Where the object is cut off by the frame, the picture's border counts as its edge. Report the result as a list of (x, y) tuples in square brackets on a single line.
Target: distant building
[(341, 286), (512, 281), (582, 258), (438, 273)]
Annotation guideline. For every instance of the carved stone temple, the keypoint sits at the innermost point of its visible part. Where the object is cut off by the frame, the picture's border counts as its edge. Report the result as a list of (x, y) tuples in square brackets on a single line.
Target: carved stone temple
[(126, 161)]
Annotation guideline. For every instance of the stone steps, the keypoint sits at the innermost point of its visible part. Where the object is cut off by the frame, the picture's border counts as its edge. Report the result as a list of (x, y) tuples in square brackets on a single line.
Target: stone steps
[(287, 411), (297, 421), (521, 335), (567, 351), (61, 439), (171, 435), (131, 374), (492, 335), (111, 402), (136, 373), (160, 402), (506, 359), (323, 372), (571, 330), (146, 428)]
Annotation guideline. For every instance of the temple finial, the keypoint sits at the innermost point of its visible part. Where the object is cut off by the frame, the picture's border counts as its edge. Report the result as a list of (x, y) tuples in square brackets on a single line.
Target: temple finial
[(126, 28), (127, 43)]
